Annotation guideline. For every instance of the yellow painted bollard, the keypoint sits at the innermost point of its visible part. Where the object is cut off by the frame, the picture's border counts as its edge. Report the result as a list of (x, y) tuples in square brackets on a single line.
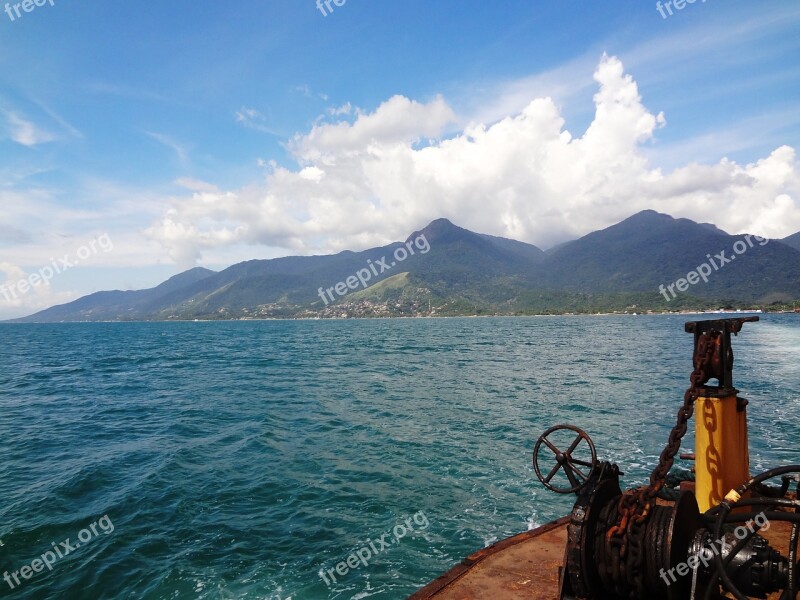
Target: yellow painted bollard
[(722, 457)]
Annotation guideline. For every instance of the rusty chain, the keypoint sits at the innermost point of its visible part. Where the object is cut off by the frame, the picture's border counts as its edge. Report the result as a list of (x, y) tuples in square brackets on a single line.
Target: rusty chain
[(635, 506)]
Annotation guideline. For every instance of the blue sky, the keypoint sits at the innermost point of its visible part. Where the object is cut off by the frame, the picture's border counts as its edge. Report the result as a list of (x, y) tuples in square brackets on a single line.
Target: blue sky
[(197, 133)]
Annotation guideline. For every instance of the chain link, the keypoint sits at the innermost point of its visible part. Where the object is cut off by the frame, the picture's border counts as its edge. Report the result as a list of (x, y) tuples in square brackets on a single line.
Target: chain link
[(635, 506)]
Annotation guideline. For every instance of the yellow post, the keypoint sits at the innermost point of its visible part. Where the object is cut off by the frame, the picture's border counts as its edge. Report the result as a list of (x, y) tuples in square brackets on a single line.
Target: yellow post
[(722, 457)]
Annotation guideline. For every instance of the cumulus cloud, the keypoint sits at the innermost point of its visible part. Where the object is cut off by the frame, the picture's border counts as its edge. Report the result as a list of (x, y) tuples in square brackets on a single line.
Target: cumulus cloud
[(398, 120), (370, 178)]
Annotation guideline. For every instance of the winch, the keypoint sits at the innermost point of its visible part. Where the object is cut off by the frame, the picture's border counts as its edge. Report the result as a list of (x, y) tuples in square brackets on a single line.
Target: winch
[(706, 541)]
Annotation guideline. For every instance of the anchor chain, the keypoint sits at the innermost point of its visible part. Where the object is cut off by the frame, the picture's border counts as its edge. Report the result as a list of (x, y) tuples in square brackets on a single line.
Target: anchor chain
[(625, 539)]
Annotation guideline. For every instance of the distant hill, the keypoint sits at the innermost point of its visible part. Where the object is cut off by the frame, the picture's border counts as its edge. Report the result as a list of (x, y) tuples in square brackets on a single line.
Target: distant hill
[(650, 249), (117, 305), (793, 241), (457, 271)]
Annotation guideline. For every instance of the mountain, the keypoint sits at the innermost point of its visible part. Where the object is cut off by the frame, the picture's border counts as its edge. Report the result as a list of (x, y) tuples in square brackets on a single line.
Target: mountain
[(451, 257), (792, 240), (527, 251), (444, 269), (117, 305), (650, 249), (714, 228)]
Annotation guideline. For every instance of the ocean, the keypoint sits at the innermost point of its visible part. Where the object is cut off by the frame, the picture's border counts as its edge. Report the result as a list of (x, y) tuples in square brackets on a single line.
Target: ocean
[(248, 459)]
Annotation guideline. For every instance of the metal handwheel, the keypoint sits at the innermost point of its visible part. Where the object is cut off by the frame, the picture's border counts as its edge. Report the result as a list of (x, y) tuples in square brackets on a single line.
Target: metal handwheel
[(566, 460)]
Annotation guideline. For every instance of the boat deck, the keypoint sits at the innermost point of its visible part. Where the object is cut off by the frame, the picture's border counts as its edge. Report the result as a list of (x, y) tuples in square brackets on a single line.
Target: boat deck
[(526, 566), (523, 566)]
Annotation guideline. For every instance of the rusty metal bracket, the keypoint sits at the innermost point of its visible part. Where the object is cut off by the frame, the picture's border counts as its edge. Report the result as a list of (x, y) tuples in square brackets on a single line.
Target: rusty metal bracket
[(721, 365)]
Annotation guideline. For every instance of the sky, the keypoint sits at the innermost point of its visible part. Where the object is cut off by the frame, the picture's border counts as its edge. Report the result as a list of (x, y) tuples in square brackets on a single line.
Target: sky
[(140, 139)]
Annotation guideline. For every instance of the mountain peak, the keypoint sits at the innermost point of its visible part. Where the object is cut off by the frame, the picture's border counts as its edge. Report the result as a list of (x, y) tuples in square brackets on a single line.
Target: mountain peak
[(648, 216), (648, 222), (441, 223), (441, 229)]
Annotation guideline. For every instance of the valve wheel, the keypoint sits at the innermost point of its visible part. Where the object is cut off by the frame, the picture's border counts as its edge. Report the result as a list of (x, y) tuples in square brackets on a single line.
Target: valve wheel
[(565, 461)]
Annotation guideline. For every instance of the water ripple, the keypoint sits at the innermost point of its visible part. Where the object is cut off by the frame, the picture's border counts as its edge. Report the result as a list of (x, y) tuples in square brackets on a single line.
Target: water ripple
[(237, 459)]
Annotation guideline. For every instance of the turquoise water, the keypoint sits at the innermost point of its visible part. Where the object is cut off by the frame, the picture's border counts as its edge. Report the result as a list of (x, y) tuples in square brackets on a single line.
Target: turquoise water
[(237, 459)]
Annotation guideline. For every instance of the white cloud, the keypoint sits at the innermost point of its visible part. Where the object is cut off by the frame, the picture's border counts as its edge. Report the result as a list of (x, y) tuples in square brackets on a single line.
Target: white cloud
[(107, 252), (196, 185), (36, 225), (304, 90), (375, 177), (65, 126), (24, 292), (12, 235), (36, 297), (168, 142), (253, 119), (25, 132), (338, 111), (396, 120)]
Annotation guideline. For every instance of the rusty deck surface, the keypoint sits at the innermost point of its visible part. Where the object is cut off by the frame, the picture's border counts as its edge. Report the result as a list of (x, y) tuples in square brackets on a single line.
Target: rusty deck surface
[(523, 566), (526, 566)]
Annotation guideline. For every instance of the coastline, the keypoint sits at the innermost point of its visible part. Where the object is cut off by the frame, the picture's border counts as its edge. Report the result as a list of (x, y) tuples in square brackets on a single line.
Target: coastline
[(403, 317)]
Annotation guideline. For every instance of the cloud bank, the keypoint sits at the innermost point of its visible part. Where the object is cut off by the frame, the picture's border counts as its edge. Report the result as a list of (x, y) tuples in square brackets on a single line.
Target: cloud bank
[(365, 179)]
